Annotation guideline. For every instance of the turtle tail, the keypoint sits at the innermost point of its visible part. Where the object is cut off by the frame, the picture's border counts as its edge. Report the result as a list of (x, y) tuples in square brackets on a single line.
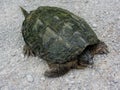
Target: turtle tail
[(25, 13)]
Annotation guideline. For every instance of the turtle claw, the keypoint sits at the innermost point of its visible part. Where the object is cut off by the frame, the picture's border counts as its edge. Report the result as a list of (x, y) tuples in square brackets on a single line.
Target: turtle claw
[(101, 48), (27, 51)]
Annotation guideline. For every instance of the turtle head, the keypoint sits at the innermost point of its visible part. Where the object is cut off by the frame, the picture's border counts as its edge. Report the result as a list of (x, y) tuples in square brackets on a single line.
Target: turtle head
[(25, 13)]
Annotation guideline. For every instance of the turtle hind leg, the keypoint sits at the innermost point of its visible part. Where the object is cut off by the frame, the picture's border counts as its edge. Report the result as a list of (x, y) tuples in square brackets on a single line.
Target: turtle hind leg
[(100, 48), (27, 51), (57, 70)]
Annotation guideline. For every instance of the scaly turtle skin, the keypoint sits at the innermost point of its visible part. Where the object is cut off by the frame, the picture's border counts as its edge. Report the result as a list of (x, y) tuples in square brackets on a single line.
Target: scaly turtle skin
[(61, 38)]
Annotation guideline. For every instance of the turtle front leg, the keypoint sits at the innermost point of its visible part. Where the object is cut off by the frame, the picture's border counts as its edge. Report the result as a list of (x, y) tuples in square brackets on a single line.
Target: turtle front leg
[(85, 59), (27, 51), (100, 48)]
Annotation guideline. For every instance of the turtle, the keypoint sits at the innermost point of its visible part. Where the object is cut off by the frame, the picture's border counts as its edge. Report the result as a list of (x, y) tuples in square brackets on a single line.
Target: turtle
[(61, 38)]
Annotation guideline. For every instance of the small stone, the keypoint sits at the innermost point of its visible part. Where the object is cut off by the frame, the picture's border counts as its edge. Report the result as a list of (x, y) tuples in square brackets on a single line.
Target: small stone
[(94, 25), (72, 75), (52, 82), (13, 53), (29, 78), (107, 13), (72, 82), (67, 80), (22, 55), (25, 5), (43, 78)]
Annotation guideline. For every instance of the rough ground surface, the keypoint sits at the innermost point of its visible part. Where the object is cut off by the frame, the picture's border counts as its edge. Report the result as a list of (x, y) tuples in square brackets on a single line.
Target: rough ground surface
[(19, 73)]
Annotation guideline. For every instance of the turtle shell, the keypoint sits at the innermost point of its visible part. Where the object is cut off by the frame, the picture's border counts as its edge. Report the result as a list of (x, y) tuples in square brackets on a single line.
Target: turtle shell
[(56, 35)]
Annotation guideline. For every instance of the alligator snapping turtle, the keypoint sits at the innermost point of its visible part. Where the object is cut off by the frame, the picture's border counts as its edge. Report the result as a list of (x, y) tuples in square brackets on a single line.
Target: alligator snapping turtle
[(61, 38)]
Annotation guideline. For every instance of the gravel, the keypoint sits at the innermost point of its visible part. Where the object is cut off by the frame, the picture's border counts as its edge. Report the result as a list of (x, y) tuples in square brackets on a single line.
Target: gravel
[(21, 73), (29, 78)]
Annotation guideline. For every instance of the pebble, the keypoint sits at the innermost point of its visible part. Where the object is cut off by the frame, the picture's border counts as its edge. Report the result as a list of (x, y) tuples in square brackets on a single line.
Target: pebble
[(79, 81), (29, 78), (67, 80), (107, 13), (14, 53), (94, 25), (22, 55), (72, 82), (72, 76), (43, 78)]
